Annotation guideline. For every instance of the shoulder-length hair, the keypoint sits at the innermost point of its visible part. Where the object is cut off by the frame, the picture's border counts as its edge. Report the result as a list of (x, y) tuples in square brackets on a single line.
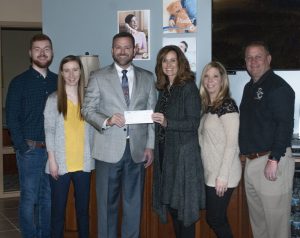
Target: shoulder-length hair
[(62, 105), (184, 70), (224, 92)]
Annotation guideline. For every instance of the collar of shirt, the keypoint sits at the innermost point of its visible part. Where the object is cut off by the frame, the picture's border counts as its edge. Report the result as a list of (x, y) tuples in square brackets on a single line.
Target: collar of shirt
[(262, 78), (38, 74), (130, 76)]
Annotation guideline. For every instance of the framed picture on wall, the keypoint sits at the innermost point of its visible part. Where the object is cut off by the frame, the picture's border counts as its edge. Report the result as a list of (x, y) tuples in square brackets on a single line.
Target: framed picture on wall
[(188, 47), (179, 16), (137, 22)]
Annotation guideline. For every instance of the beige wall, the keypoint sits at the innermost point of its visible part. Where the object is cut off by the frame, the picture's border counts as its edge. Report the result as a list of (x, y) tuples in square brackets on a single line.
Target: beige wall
[(16, 13), (27, 11)]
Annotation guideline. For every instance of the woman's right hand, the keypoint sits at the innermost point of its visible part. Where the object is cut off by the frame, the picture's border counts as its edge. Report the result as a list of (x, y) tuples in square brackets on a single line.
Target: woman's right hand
[(221, 187), (53, 168), (159, 118)]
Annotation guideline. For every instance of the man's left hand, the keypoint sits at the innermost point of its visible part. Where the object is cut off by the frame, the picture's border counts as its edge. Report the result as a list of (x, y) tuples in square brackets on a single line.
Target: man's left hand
[(271, 170), (148, 157)]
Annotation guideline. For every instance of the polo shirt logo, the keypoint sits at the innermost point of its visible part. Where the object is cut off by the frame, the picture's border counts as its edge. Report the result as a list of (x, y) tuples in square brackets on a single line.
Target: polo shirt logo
[(259, 94)]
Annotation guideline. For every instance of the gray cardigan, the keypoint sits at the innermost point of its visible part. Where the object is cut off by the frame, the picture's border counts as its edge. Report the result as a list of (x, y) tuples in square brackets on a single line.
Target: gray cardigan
[(55, 137)]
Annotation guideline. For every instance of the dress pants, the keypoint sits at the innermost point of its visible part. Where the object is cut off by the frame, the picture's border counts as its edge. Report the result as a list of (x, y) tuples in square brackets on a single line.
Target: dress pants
[(269, 202), (126, 179), (59, 196)]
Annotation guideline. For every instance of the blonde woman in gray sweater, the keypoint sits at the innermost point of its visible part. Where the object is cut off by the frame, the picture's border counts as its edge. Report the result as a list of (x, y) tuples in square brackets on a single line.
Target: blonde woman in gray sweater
[(218, 137)]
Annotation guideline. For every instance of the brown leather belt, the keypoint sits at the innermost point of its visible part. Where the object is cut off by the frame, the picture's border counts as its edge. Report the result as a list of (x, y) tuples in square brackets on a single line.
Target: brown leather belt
[(36, 144), (257, 155)]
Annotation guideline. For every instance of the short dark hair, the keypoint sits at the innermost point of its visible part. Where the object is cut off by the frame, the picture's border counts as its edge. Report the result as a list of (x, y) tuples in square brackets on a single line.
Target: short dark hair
[(123, 34), (186, 45), (257, 43), (128, 18), (39, 37)]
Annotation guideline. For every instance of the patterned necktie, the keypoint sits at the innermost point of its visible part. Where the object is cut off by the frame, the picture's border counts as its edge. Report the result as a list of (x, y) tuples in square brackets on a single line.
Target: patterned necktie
[(125, 86)]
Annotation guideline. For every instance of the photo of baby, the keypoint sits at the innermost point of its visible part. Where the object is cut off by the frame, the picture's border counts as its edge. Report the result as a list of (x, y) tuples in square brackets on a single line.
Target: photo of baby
[(179, 16)]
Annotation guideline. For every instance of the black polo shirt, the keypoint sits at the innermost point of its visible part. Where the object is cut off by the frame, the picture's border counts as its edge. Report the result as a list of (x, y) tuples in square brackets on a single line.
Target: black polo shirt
[(266, 116)]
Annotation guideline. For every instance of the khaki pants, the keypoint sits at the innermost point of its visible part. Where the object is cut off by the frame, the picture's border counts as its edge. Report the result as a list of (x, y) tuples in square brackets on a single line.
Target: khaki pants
[(269, 202)]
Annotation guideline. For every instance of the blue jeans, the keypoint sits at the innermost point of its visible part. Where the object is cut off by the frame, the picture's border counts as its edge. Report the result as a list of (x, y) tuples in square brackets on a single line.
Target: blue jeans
[(59, 197), (35, 198)]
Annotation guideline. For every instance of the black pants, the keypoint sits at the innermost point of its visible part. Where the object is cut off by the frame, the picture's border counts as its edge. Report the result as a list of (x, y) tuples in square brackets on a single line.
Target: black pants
[(216, 212), (181, 231), (59, 196)]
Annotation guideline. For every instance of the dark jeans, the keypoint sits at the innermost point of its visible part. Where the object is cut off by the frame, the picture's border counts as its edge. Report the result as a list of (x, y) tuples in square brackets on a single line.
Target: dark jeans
[(35, 199), (59, 197), (181, 231), (216, 212)]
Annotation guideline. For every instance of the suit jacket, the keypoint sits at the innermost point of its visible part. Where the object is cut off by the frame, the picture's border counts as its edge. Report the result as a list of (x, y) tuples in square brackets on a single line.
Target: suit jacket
[(103, 98)]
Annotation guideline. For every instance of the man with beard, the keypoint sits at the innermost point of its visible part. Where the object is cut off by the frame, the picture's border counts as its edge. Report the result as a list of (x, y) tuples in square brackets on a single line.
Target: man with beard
[(122, 152), (26, 98)]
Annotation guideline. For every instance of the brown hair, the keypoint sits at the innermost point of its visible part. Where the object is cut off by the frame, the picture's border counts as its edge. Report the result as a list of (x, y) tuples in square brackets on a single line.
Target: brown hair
[(224, 91), (123, 34), (61, 90), (39, 37), (184, 70)]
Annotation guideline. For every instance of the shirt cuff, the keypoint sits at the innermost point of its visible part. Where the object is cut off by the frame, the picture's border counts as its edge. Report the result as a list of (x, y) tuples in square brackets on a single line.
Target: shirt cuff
[(23, 148), (104, 126), (271, 157)]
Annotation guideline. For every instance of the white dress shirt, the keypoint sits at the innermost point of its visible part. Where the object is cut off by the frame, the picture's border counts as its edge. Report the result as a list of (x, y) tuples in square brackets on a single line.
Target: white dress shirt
[(130, 76)]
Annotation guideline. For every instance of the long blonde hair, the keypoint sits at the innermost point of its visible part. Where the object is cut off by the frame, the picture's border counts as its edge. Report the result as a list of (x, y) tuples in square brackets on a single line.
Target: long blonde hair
[(224, 92), (62, 105)]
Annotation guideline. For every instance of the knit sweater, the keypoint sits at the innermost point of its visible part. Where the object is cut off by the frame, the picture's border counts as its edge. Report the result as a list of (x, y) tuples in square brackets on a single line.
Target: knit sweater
[(218, 138), (55, 138), (178, 182)]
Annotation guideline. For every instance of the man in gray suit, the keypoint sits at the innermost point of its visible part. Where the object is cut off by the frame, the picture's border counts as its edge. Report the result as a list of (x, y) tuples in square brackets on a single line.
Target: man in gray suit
[(122, 152)]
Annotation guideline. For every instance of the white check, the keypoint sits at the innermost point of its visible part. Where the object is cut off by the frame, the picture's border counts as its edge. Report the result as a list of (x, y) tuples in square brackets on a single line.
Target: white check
[(138, 117)]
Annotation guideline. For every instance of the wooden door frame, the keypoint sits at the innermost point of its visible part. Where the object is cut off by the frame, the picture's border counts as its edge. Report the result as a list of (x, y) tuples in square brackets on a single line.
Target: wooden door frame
[(9, 149)]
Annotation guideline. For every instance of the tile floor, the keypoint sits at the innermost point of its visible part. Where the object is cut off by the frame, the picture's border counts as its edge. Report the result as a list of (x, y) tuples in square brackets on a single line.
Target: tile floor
[(9, 222)]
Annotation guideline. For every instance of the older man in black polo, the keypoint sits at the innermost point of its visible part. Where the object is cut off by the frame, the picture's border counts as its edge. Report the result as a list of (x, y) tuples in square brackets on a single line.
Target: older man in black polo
[(266, 128)]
